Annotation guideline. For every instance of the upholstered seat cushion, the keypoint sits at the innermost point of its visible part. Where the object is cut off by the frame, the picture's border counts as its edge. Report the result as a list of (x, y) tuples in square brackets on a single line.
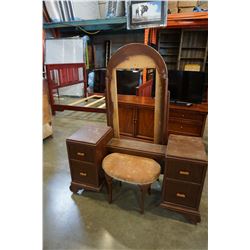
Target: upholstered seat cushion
[(131, 169)]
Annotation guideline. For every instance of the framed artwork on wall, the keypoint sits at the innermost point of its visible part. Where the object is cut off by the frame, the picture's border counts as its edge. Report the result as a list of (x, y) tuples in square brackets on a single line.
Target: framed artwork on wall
[(146, 14)]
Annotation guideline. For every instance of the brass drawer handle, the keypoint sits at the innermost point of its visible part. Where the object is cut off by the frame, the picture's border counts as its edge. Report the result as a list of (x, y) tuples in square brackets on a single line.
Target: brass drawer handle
[(180, 195), (80, 154), (184, 172), (83, 174)]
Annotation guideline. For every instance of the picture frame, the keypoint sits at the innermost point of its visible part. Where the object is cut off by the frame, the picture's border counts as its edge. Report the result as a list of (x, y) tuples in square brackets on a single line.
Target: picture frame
[(146, 14)]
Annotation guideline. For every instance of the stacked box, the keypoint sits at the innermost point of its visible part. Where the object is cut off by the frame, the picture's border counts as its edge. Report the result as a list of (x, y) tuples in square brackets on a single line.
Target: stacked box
[(186, 6), (186, 9), (102, 8), (203, 4), (173, 6)]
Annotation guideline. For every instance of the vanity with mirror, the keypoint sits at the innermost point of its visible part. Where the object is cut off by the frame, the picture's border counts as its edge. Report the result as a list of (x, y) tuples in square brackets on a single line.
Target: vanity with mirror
[(138, 125)]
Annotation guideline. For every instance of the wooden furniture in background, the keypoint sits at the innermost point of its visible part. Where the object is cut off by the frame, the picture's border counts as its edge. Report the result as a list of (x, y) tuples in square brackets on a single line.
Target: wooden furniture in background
[(47, 117), (63, 75), (189, 121), (180, 47), (86, 150), (145, 89), (186, 166), (136, 115)]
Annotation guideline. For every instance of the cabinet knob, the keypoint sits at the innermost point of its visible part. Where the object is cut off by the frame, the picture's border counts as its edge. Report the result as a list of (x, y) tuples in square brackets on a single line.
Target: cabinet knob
[(180, 195), (181, 126), (83, 174), (80, 154), (182, 172)]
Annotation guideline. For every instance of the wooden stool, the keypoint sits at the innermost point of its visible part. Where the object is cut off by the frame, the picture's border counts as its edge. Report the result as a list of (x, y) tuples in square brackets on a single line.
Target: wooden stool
[(132, 169)]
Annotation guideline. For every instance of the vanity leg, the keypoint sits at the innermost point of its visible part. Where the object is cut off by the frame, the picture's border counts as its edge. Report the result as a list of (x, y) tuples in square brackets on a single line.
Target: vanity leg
[(109, 185)]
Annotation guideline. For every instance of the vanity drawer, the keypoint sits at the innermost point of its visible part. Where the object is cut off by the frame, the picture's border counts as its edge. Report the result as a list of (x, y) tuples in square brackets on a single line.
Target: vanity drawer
[(185, 170), (185, 127), (83, 172), (182, 193), (185, 114), (81, 152)]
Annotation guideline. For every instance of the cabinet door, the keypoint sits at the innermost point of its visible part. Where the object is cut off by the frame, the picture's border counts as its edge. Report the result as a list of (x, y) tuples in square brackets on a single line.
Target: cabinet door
[(145, 124), (126, 120)]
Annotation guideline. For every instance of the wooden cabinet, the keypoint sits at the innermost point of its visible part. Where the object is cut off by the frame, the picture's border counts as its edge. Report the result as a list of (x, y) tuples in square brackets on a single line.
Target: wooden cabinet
[(136, 118), (86, 149), (187, 120), (180, 47), (185, 171)]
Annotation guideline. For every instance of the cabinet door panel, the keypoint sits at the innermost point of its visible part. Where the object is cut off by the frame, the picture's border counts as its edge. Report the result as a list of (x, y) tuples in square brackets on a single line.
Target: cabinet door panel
[(145, 123), (126, 120)]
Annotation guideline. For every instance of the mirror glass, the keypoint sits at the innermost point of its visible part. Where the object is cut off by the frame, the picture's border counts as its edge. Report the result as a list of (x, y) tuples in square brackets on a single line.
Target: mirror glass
[(136, 86), (132, 82)]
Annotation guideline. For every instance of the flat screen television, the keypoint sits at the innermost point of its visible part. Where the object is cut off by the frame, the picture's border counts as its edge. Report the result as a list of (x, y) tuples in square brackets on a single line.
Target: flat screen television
[(127, 81), (186, 86)]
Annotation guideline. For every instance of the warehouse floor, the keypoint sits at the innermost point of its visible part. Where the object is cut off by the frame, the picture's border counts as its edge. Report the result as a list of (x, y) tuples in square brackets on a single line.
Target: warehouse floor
[(87, 221)]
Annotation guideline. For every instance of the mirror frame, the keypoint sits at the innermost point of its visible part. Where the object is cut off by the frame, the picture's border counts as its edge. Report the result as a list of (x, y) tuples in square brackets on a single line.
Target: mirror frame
[(138, 55)]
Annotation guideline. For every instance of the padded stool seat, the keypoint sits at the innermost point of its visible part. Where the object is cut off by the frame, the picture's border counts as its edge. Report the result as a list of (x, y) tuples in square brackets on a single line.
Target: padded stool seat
[(131, 169)]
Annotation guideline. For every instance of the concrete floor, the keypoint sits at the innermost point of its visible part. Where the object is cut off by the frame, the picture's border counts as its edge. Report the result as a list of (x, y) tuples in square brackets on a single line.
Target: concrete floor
[(87, 221)]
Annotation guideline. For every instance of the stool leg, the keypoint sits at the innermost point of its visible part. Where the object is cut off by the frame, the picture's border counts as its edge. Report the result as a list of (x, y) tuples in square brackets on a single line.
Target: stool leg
[(109, 184), (144, 189), (149, 190)]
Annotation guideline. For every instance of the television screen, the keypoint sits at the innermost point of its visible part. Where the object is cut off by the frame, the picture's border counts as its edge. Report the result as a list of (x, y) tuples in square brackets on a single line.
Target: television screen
[(186, 86), (127, 81)]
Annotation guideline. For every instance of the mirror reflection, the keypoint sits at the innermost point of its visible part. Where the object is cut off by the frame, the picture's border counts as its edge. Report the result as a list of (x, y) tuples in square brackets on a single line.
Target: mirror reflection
[(137, 86), (138, 82)]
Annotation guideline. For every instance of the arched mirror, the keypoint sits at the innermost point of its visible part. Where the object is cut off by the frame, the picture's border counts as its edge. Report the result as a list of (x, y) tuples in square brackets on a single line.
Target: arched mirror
[(138, 58)]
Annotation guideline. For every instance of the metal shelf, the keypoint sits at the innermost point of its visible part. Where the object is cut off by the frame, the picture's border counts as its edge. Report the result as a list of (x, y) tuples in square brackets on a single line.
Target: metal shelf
[(90, 25), (179, 20)]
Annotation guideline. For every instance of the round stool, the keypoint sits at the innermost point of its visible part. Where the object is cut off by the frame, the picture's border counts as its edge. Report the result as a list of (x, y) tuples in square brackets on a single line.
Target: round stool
[(132, 169)]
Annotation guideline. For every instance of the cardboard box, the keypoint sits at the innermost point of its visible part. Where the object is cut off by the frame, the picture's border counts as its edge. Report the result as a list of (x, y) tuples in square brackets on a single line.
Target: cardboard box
[(102, 9), (172, 4), (187, 4), (173, 10), (203, 4), (186, 10)]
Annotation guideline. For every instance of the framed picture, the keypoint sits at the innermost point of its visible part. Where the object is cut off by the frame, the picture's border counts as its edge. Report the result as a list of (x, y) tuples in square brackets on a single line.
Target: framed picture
[(146, 14)]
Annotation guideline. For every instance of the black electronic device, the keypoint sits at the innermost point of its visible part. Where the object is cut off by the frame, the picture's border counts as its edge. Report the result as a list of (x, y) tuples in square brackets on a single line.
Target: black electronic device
[(186, 86), (128, 81)]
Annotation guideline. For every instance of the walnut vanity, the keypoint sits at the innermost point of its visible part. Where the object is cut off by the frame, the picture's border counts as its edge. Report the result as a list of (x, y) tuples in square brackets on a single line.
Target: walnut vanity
[(182, 158)]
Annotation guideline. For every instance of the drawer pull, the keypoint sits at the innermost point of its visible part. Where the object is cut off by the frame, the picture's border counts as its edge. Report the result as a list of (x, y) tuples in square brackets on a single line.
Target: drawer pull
[(184, 172), (83, 174), (80, 154), (180, 195)]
